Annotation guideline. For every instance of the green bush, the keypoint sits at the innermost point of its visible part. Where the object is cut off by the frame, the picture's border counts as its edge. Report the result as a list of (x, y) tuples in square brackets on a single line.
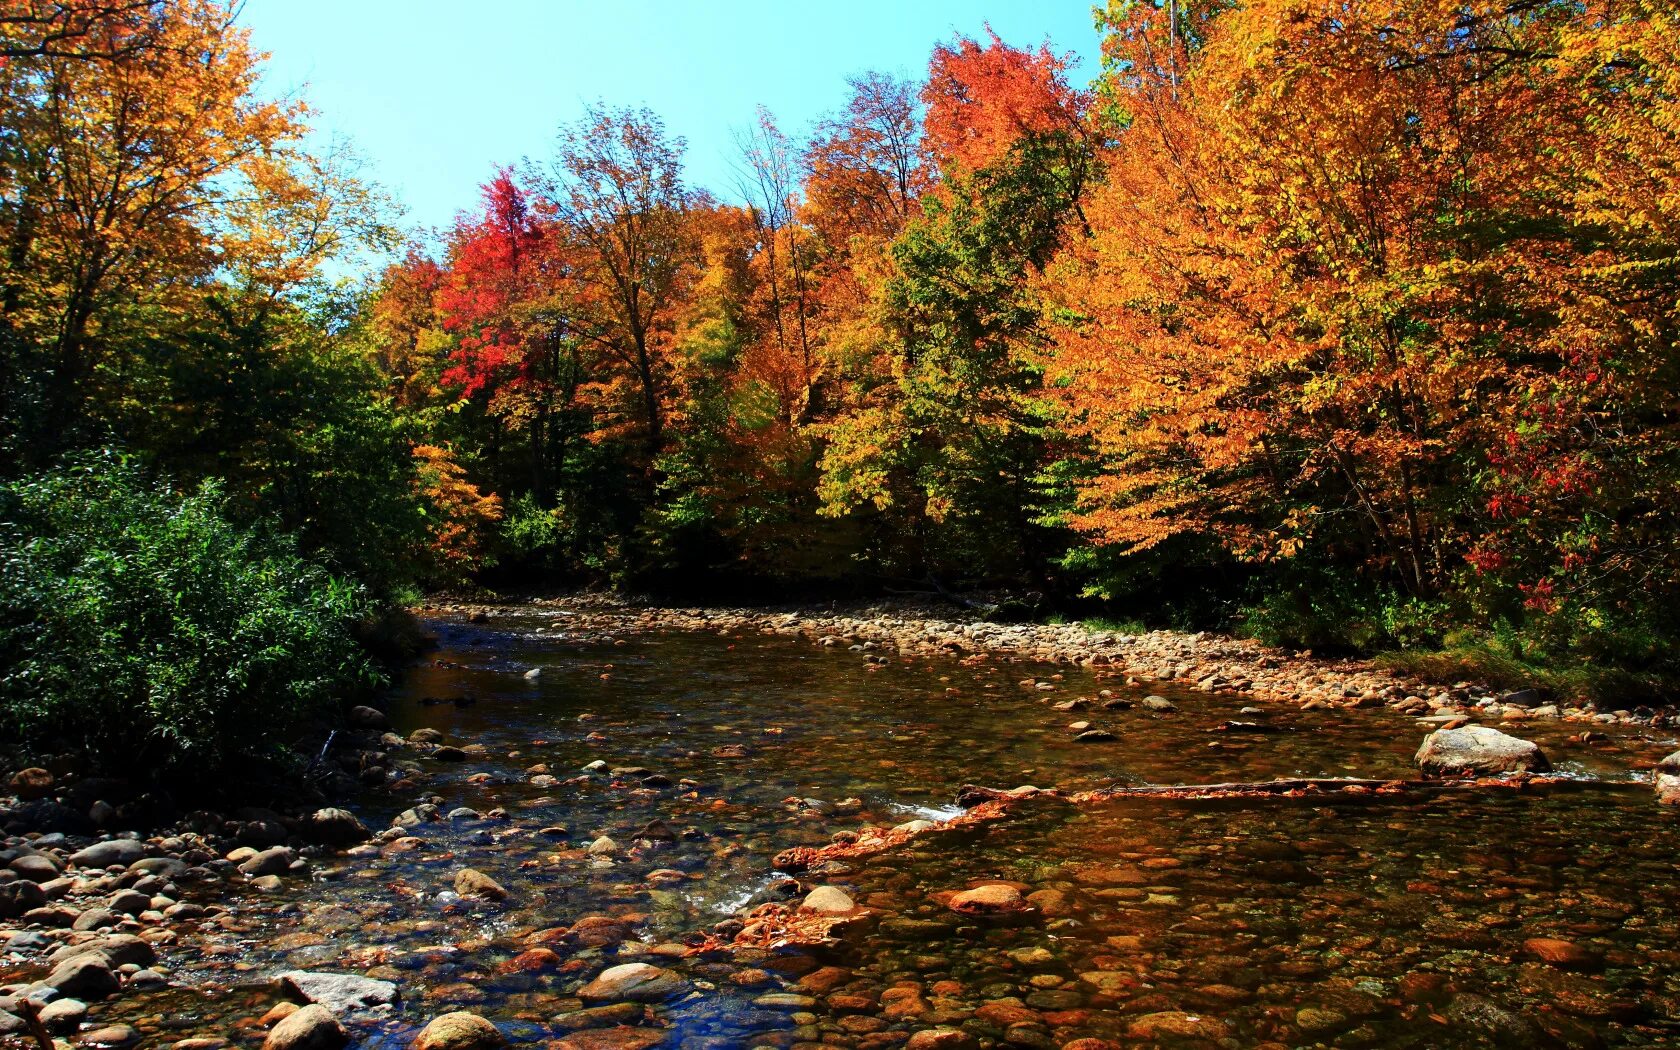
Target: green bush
[(146, 634)]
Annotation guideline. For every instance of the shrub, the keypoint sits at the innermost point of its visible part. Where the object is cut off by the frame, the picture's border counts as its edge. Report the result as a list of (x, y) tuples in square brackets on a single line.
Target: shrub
[(145, 633)]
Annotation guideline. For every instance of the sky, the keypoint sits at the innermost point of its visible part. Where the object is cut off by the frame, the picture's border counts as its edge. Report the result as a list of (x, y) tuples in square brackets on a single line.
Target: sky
[(435, 94)]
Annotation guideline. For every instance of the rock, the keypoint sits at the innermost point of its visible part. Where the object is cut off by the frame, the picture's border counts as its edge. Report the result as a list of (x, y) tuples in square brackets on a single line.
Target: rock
[(312, 1028), (1564, 954), (340, 993), (941, 1039), (63, 1015), (994, 898), (1159, 703), (120, 948), (1666, 779), (602, 847), (108, 853), (336, 827), (109, 1035), (828, 900), (459, 1031), (87, 976), (1174, 1024), (1489, 1019), (470, 882), (599, 1017), (276, 860), (129, 902), (425, 736), (95, 919), (612, 1039), (1478, 749), (19, 897), (634, 982), (35, 867), (32, 783), (785, 1001), (363, 717), (448, 753), (1095, 736)]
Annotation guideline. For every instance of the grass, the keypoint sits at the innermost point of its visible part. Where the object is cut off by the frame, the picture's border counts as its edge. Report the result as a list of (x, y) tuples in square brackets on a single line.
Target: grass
[(1101, 624), (1605, 687)]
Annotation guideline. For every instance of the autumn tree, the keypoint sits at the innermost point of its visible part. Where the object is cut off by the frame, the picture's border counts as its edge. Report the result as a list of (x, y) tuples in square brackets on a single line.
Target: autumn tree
[(616, 187)]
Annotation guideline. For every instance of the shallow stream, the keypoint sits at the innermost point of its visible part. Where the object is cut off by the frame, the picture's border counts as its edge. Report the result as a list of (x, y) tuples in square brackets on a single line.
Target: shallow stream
[(1404, 922)]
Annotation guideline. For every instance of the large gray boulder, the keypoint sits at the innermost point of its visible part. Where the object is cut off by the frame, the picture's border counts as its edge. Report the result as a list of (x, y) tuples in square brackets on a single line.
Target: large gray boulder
[(1479, 750), (339, 992)]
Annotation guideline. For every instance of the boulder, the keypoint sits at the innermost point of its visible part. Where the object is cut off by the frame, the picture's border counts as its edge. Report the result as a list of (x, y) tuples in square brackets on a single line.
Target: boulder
[(276, 860), (636, 983), (32, 783), (1477, 749), (311, 1028), (341, 993), (110, 852), (828, 900), (87, 976), (363, 717), (120, 948), (470, 882), (19, 897), (941, 1039), (994, 898), (1666, 779), (460, 1031), (336, 827)]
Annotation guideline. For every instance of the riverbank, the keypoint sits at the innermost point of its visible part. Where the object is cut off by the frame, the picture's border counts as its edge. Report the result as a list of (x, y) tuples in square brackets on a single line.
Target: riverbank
[(1212, 663)]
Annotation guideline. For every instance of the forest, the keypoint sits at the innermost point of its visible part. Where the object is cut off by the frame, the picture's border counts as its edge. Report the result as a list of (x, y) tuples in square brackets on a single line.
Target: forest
[(1352, 330)]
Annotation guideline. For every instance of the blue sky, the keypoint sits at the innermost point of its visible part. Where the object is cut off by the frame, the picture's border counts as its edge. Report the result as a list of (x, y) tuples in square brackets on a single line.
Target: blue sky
[(435, 93)]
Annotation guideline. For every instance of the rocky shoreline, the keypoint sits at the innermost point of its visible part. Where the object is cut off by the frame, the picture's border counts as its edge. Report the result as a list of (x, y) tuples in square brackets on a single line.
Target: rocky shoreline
[(1208, 662)]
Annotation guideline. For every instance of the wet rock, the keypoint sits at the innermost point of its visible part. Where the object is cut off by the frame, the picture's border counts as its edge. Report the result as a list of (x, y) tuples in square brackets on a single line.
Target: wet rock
[(470, 882), (31, 784), (1487, 1018), (121, 949), (459, 1031), (1478, 749), (602, 847), (598, 1017), (108, 853), (1174, 1024), (1563, 954), (447, 753), (1095, 736), (87, 976), (336, 827), (109, 1035), (276, 860), (634, 982), (1159, 703), (941, 1039), (425, 736), (1666, 779), (828, 900), (129, 902), (612, 1039), (340, 993), (994, 898), (785, 1001), (312, 1028)]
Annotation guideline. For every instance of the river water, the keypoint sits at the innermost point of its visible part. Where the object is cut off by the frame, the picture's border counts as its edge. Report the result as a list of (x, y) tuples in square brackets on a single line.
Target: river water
[(1407, 922)]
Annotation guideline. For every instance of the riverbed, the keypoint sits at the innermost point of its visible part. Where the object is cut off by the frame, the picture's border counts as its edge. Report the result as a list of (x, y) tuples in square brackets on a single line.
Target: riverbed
[(629, 791)]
